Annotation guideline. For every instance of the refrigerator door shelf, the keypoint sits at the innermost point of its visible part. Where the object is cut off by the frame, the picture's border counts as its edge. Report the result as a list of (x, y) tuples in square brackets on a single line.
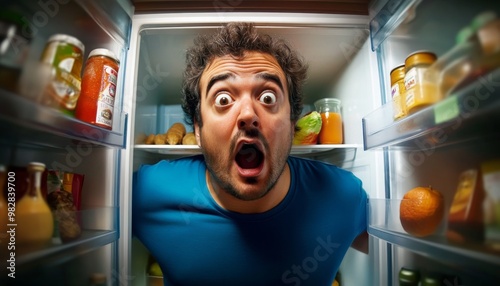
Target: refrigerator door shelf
[(469, 114), (38, 125), (99, 227), (477, 258)]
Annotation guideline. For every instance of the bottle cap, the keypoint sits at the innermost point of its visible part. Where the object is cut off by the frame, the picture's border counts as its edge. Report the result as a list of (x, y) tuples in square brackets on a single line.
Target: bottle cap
[(67, 39), (36, 166), (103, 52), (420, 57), (397, 73)]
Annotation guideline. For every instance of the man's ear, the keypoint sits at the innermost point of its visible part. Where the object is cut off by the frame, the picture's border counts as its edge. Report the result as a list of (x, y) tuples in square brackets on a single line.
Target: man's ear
[(197, 133)]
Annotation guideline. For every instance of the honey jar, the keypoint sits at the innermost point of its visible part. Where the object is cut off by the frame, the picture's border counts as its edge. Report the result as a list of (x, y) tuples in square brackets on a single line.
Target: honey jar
[(419, 94), (398, 91)]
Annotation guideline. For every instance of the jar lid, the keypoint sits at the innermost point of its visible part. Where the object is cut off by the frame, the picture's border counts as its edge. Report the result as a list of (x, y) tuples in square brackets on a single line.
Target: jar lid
[(104, 52), (420, 57), (397, 73), (327, 100), (67, 39), (36, 166)]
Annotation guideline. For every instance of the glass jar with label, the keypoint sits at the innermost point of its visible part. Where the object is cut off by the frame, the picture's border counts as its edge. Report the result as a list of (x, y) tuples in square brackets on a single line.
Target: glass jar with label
[(331, 128), (398, 91), (418, 93), (97, 99), (64, 53)]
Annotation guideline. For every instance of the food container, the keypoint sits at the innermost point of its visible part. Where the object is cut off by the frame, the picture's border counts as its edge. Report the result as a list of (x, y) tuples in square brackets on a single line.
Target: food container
[(64, 53), (331, 116), (96, 102), (418, 93), (465, 217), (398, 91)]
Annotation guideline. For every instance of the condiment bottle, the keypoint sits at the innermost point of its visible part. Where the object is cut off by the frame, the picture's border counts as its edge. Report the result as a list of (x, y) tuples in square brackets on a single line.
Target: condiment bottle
[(96, 102), (398, 91), (465, 218), (418, 93), (35, 223), (3, 203), (331, 128), (65, 54), (477, 51)]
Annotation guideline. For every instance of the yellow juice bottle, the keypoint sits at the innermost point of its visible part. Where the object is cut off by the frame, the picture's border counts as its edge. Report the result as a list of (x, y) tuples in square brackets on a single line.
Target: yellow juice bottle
[(35, 223)]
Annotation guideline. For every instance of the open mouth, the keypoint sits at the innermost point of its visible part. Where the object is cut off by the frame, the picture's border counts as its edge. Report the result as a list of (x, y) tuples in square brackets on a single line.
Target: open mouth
[(249, 157)]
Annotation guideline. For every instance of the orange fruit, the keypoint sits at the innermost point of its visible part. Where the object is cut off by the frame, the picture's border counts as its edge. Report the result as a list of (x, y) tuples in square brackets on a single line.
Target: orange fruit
[(421, 211)]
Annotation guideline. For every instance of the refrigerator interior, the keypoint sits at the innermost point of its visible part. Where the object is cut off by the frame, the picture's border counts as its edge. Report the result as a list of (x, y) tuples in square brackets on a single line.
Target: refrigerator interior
[(435, 155), (33, 132), (341, 65)]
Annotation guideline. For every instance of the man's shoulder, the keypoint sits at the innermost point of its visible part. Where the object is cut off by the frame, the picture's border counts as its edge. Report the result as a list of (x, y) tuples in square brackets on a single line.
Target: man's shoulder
[(319, 172), (305, 165)]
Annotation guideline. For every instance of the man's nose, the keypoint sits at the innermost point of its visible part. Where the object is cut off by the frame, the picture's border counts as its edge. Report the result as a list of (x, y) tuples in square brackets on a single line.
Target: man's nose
[(248, 117)]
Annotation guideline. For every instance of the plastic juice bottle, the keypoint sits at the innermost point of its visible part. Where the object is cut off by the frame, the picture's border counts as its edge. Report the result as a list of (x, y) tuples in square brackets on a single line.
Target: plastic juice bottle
[(331, 128), (35, 223)]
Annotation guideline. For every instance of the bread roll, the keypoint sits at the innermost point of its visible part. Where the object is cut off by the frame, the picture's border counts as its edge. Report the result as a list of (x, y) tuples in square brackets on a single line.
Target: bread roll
[(189, 139), (175, 133)]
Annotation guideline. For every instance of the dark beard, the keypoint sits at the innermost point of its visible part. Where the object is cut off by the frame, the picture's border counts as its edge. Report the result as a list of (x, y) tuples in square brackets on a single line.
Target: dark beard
[(219, 174)]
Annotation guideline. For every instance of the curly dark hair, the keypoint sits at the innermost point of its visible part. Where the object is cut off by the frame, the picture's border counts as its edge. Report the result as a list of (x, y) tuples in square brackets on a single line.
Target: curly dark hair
[(235, 39)]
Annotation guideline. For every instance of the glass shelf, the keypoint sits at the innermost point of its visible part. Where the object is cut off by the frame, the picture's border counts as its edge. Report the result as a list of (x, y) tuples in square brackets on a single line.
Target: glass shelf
[(99, 228), (299, 150), (479, 258), (469, 114), (32, 124)]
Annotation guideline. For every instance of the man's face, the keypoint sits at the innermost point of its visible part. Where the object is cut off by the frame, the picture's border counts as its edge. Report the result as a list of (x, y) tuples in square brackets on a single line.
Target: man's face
[(247, 133)]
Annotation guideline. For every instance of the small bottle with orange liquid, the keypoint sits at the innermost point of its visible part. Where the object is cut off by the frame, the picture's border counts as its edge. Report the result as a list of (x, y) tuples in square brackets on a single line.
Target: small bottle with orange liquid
[(331, 128)]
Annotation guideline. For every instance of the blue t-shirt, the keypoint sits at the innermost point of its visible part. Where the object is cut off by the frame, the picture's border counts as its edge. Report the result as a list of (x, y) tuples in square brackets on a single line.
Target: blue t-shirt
[(301, 241)]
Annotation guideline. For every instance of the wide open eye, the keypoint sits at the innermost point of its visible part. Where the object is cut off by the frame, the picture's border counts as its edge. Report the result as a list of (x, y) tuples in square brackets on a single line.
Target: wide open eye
[(223, 99), (268, 98)]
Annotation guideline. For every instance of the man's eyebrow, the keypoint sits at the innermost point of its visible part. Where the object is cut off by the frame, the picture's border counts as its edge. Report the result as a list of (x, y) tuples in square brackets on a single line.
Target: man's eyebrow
[(271, 77), (216, 78)]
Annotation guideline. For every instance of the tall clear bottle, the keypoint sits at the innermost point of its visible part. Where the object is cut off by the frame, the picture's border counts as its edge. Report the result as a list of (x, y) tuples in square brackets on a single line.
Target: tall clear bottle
[(35, 223)]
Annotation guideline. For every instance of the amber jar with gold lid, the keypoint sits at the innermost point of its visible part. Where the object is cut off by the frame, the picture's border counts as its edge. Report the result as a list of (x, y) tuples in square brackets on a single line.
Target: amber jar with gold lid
[(96, 102)]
